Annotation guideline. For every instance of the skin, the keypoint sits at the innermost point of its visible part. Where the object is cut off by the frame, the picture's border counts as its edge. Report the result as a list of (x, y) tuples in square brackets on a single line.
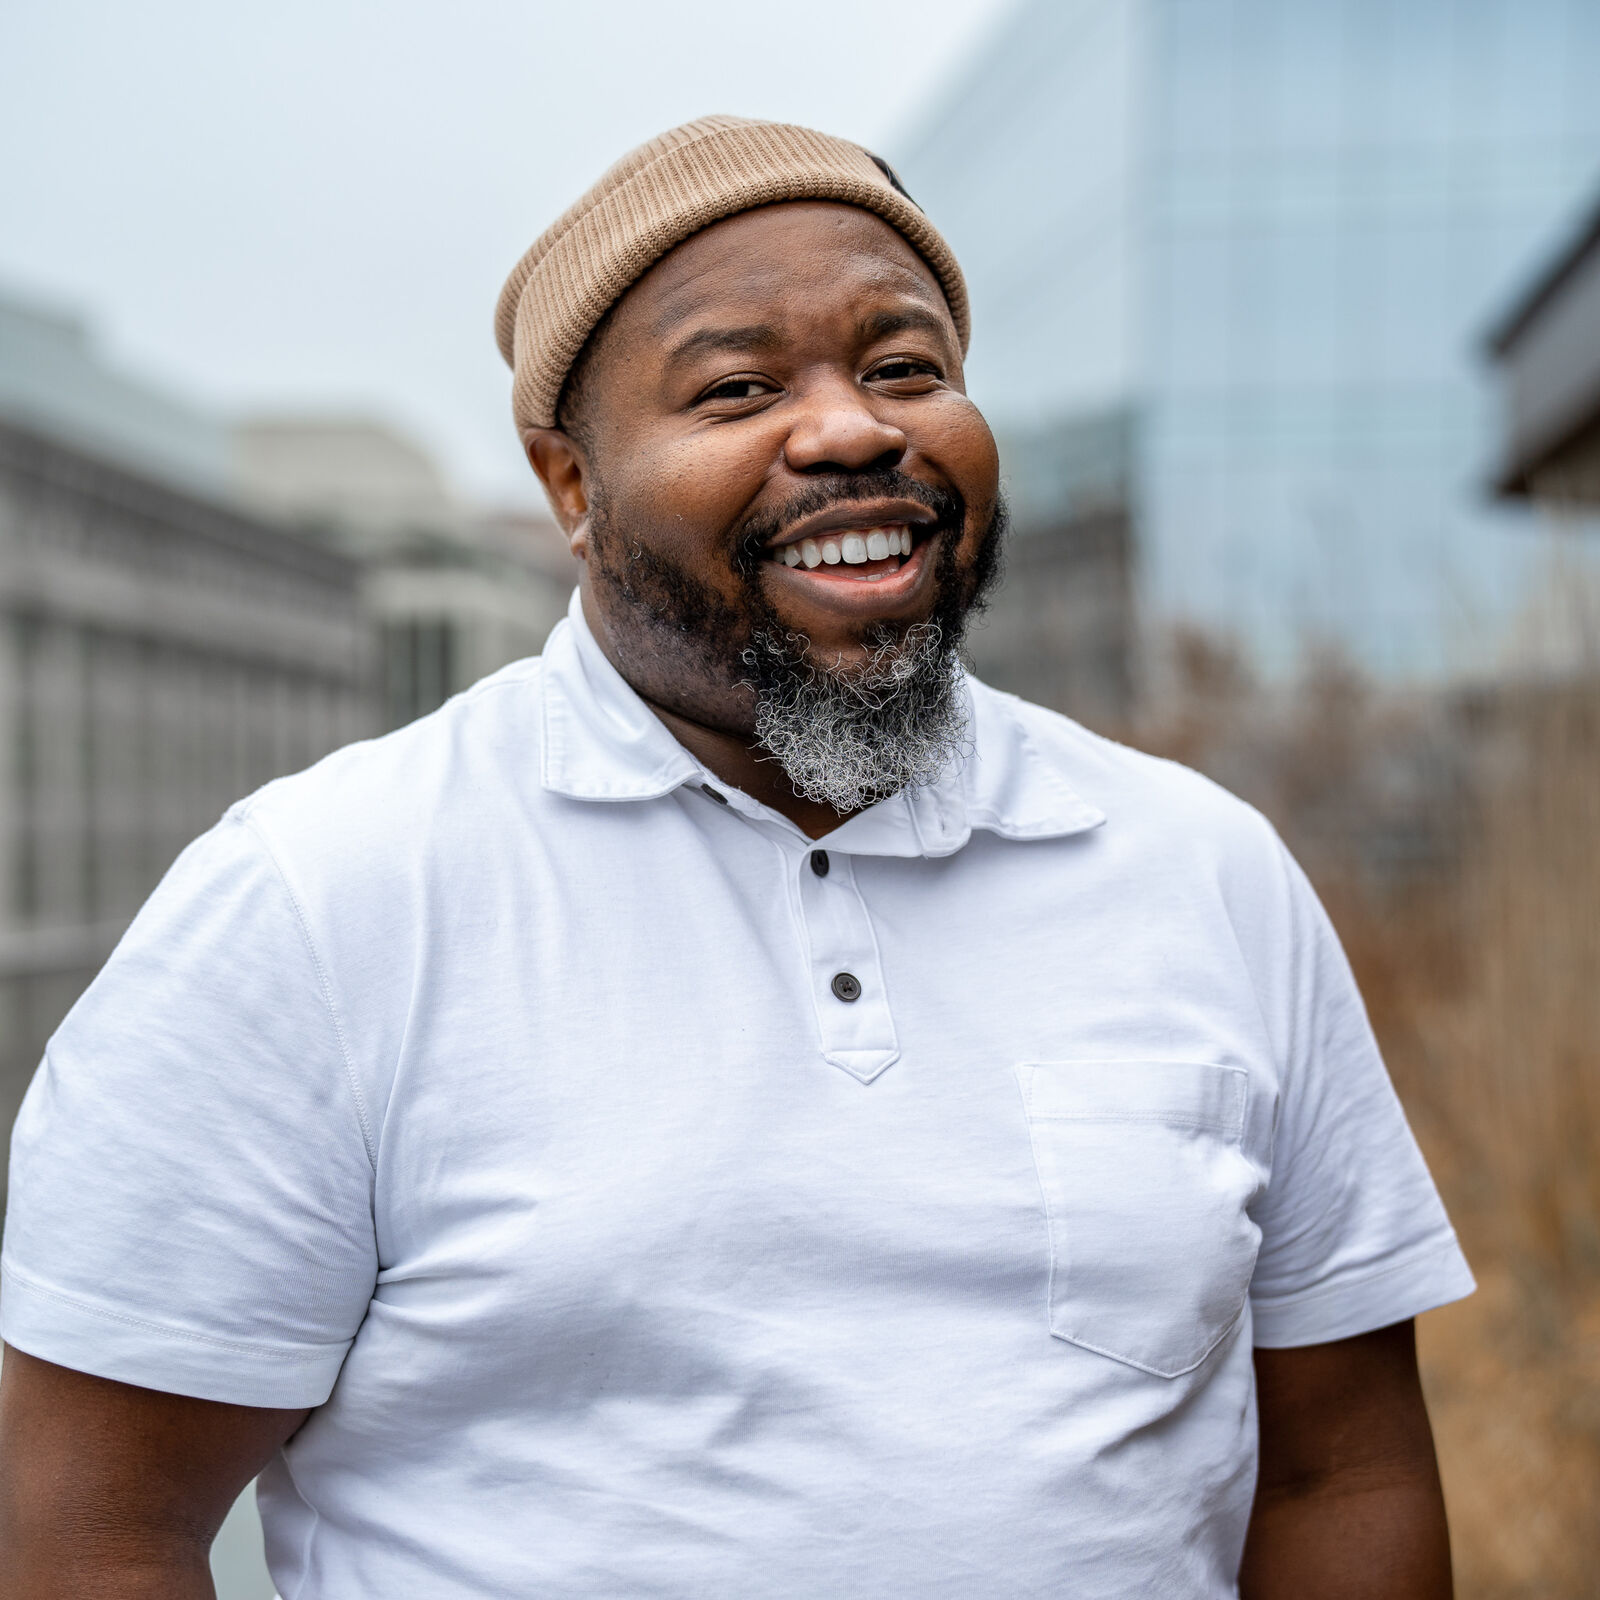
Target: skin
[(111, 1492), (1348, 1502)]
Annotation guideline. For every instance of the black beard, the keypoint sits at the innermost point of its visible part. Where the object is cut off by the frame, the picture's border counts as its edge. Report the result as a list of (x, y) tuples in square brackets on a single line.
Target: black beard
[(845, 736)]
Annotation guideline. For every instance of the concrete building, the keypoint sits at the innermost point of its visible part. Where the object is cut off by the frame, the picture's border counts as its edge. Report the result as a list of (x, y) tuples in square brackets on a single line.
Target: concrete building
[(454, 592), (1264, 231), (189, 608), (55, 380), (161, 654)]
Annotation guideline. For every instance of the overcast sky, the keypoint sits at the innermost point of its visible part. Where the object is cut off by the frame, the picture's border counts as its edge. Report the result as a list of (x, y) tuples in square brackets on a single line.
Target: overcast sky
[(313, 202)]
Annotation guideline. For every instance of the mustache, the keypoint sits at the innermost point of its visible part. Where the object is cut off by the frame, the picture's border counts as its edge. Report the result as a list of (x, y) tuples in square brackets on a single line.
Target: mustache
[(825, 492)]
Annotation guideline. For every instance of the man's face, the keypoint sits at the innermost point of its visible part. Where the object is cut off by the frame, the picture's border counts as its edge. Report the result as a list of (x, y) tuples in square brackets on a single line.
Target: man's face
[(779, 397)]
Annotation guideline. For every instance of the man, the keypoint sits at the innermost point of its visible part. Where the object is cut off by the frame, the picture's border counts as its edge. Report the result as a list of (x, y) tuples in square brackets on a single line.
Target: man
[(734, 1107)]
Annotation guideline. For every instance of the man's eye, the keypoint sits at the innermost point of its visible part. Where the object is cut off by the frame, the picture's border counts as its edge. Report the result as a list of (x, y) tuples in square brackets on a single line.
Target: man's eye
[(736, 389), (894, 371)]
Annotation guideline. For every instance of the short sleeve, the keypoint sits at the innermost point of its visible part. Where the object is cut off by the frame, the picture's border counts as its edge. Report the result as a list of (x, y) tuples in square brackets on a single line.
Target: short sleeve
[(191, 1185), (1354, 1235)]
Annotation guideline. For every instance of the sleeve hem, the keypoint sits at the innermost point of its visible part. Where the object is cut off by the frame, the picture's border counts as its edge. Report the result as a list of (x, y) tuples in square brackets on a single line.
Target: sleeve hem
[(109, 1343), (1420, 1281)]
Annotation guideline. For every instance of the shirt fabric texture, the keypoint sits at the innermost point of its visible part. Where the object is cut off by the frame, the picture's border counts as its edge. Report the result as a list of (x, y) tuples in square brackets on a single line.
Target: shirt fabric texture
[(487, 1087)]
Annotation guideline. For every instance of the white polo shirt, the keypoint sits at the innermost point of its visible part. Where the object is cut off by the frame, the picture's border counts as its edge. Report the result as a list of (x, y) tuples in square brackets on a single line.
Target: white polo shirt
[(656, 1203)]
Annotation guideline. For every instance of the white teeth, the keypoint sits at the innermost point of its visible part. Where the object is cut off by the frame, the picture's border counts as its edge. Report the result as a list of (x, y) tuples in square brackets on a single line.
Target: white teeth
[(852, 548)]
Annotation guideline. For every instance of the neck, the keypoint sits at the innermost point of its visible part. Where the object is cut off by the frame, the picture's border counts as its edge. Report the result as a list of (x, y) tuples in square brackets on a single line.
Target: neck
[(733, 757)]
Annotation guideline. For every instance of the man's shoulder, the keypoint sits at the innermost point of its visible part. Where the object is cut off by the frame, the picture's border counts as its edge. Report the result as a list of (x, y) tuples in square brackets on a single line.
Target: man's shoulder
[(1142, 795), (414, 788)]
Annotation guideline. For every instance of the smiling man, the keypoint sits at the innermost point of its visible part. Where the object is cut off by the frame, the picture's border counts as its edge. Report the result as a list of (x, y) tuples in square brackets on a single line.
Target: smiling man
[(733, 1107)]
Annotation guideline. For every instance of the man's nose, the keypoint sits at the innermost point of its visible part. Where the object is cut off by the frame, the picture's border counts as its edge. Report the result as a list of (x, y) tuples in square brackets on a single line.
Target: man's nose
[(836, 429)]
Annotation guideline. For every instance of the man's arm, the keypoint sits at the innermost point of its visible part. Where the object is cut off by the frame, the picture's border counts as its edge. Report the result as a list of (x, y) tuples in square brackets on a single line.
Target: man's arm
[(1348, 1506), (110, 1492)]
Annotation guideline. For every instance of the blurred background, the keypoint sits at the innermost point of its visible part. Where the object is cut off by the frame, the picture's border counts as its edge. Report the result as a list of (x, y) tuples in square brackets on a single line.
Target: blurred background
[(1286, 313)]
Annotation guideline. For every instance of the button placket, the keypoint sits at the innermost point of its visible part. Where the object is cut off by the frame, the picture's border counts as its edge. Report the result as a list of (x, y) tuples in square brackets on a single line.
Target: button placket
[(847, 984)]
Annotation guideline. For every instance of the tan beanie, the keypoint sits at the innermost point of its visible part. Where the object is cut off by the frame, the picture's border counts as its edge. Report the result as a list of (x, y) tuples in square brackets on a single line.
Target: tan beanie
[(654, 198)]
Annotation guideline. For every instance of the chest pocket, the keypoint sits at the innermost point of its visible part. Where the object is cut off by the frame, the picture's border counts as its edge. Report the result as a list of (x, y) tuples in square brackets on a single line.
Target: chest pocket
[(1145, 1188)]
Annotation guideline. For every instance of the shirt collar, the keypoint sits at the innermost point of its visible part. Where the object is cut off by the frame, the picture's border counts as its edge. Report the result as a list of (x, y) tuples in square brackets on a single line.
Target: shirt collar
[(602, 742)]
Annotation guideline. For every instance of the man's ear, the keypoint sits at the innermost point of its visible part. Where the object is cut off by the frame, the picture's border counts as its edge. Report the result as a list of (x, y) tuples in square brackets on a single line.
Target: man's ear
[(558, 460)]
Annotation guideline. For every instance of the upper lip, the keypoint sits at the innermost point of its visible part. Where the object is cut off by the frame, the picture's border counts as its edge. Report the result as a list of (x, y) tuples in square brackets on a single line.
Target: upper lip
[(860, 515)]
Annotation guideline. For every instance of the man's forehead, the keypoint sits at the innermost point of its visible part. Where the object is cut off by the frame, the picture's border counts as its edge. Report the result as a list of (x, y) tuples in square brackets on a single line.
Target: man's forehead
[(752, 271)]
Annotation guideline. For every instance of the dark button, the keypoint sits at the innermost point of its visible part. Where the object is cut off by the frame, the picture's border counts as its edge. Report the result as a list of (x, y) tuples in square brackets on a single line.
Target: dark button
[(721, 799), (819, 863), (847, 986)]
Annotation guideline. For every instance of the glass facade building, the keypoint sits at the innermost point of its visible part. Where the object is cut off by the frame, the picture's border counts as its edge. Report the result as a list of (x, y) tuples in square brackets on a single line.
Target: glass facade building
[(1273, 233)]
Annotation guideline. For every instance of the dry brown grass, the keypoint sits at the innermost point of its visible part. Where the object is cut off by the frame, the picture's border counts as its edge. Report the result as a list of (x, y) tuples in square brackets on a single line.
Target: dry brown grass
[(1486, 991), (1475, 933)]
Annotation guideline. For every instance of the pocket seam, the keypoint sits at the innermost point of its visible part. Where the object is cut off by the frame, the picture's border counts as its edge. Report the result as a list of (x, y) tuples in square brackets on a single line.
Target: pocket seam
[(1141, 1366), (1230, 1123)]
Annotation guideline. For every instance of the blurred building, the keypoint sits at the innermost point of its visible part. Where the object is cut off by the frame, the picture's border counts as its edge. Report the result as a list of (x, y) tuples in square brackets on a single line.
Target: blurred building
[(1547, 347), (1060, 627), (189, 608), (1265, 232), (55, 381), (454, 593), (161, 654)]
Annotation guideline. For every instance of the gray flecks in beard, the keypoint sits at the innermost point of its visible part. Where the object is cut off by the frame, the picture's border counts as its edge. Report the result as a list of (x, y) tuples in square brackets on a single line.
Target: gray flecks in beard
[(848, 736)]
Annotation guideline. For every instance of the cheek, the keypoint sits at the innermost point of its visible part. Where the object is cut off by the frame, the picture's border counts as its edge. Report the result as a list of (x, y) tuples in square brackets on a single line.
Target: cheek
[(689, 490), (959, 442)]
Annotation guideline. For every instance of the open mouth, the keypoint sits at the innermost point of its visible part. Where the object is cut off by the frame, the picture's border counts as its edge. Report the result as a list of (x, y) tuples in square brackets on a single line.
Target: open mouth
[(867, 555)]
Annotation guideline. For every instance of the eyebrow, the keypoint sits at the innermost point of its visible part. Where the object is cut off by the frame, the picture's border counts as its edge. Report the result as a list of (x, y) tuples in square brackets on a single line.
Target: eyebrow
[(913, 319), (754, 336), (764, 337)]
